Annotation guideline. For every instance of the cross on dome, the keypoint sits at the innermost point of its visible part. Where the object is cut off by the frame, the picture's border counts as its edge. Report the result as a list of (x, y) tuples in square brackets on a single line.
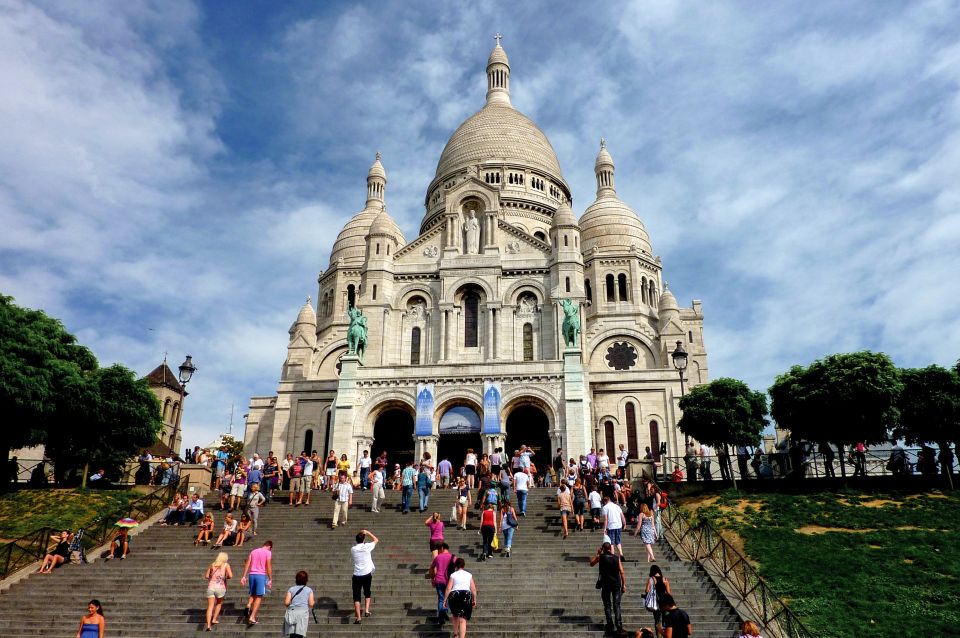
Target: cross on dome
[(603, 143), (498, 37)]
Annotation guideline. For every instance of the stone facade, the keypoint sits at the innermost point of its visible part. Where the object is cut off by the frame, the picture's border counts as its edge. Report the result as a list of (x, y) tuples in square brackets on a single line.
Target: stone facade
[(474, 302)]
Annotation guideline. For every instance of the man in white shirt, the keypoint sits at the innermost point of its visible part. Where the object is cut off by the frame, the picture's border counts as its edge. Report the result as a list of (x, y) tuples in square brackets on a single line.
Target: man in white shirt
[(706, 455), (307, 476), (622, 457), (257, 462), (522, 482), (285, 470), (614, 522), (344, 500), (362, 554), (596, 508), (364, 464), (376, 487)]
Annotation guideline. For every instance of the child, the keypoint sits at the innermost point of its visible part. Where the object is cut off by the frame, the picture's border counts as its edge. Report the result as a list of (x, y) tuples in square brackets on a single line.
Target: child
[(397, 478)]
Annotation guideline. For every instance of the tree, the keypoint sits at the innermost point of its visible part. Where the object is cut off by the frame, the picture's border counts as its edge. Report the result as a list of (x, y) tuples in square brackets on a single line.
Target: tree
[(118, 416), (724, 412), (42, 369), (841, 399), (930, 409)]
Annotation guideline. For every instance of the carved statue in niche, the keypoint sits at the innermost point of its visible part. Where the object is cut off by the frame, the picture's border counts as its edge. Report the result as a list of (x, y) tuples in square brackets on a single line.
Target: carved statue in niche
[(472, 229), (527, 305), (417, 309)]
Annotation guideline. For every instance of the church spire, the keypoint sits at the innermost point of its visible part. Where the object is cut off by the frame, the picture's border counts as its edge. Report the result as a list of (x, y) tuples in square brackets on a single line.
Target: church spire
[(498, 75), (376, 183), (603, 168)]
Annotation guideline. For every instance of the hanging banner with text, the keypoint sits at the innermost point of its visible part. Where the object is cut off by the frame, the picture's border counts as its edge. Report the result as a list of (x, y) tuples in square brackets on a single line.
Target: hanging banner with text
[(424, 422), (491, 407)]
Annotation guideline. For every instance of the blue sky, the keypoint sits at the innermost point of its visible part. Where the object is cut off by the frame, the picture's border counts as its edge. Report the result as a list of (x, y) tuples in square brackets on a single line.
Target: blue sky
[(172, 174)]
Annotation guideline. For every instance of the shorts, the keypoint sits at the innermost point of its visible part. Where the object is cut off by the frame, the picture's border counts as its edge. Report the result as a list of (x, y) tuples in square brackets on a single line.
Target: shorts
[(307, 480), (258, 584), (237, 489), (578, 507), (435, 545), (564, 512), (470, 470), (331, 471), (596, 512), (614, 535), (296, 484), (216, 592), (362, 583), (462, 500), (495, 470), (460, 602)]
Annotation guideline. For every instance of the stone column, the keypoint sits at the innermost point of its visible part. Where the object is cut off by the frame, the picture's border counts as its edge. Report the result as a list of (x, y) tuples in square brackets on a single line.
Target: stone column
[(427, 444), (490, 232), (341, 434), (443, 335), (576, 404), (491, 353)]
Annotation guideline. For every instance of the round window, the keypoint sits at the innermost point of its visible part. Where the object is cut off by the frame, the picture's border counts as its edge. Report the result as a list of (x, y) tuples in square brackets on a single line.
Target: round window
[(621, 355)]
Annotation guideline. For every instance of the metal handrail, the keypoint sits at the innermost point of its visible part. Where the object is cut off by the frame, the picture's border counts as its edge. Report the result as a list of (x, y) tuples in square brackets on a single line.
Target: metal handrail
[(27, 549), (702, 543)]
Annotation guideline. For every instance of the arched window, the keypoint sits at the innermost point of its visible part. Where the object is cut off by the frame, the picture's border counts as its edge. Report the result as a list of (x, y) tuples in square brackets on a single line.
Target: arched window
[(415, 347), (528, 342), (566, 240), (610, 288), (652, 293), (609, 443), (586, 285), (471, 320), (690, 336), (351, 296), (567, 283), (540, 235), (308, 441), (175, 412), (633, 440), (655, 440), (374, 295), (166, 408), (378, 248), (622, 287), (643, 289)]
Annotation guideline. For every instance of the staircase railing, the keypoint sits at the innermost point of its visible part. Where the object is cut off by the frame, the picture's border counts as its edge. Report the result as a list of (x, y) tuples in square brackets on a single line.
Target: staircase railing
[(27, 549), (700, 542)]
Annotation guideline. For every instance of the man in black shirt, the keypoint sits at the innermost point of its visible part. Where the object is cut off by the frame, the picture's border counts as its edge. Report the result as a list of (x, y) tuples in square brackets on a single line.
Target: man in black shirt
[(676, 622), (613, 584)]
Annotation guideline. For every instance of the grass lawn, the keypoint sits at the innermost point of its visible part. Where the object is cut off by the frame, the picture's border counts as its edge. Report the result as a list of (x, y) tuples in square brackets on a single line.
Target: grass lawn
[(26, 510), (851, 563)]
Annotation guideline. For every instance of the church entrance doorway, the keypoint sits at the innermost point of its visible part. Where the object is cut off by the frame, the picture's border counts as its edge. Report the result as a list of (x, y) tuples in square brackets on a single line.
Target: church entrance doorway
[(459, 432), (393, 433), (528, 425)]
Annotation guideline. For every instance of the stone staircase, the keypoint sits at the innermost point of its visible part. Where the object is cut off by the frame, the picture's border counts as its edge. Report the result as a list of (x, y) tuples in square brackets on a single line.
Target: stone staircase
[(545, 589)]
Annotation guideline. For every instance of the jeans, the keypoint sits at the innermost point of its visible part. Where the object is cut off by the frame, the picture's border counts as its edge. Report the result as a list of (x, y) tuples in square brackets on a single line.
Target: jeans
[(487, 532), (364, 477), (504, 493), (611, 599), (508, 537), (522, 501), (424, 497), (405, 497), (441, 589)]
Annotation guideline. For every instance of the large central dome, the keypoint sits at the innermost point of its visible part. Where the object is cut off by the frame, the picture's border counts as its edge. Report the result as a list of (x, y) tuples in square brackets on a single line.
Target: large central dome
[(498, 132)]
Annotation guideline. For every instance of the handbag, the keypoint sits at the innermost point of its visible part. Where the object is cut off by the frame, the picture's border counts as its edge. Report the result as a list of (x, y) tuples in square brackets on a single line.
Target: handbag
[(495, 545), (512, 520), (650, 600)]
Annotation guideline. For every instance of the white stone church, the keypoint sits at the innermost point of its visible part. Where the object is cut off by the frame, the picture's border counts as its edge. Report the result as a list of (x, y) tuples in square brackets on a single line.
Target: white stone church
[(464, 347)]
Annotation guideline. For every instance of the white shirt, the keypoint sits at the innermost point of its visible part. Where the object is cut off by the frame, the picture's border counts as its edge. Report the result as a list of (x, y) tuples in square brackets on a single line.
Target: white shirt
[(461, 580), (375, 477), (603, 461), (595, 501), (525, 459), (614, 515), (257, 463), (365, 461), (285, 465), (705, 450), (362, 559), (622, 459), (470, 460), (308, 468), (344, 490), (521, 480)]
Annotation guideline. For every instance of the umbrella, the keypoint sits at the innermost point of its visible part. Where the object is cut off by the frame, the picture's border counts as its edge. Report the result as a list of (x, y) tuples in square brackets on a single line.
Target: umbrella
[(127, 522)]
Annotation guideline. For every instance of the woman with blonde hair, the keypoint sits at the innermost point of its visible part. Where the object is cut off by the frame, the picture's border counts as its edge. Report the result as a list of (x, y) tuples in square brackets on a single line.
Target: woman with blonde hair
[(749, 629), (647, 531), (217, 575), (463, 502), (206, 529)]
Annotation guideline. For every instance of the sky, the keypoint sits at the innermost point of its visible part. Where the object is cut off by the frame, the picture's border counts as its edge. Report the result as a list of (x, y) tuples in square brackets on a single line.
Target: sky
[(172, 174)]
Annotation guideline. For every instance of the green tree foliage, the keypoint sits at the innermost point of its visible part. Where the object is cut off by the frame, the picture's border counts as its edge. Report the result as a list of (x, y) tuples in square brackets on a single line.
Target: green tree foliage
[(930, 406), (120, 416), (41, 374), (841, 399), (724, 412)]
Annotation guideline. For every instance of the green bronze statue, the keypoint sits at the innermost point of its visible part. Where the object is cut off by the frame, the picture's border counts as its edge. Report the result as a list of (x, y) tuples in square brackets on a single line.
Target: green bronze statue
[(357, 333), (571, 322)]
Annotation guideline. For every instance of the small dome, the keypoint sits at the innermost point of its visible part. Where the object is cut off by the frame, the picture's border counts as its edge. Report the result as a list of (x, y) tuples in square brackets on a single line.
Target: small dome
[(376, 170), (610, 223), (667, 301), (564, 215), (307, 315), (498, 56), (383, 224), (351, 243), (603, 157)]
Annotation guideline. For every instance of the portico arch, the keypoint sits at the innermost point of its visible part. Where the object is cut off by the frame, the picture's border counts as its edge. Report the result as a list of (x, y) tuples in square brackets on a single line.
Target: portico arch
[(458, 426), (527, 421), (393, 432)]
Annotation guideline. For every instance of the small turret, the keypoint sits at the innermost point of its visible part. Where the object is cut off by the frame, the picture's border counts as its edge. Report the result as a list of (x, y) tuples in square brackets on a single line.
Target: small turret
[(498, 75), (376, 183)]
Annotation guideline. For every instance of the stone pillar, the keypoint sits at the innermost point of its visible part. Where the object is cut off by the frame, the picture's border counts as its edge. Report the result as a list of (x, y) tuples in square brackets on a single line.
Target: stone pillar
[(341, 434), (427, 444), (443, 335), (576, 404), (493, 441), (490, 232), (491, 353)]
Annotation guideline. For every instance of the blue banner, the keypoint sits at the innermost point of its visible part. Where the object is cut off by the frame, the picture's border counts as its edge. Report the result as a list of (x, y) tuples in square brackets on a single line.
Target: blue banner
[(491, 407), (424, 422)]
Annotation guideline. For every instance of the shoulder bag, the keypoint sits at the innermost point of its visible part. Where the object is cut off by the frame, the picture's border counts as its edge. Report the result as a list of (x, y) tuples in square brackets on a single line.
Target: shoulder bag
[(650, 599)]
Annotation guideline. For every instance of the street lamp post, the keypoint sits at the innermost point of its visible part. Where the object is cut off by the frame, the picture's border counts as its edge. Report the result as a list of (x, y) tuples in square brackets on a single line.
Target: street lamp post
[(679, 357), (186, 373)]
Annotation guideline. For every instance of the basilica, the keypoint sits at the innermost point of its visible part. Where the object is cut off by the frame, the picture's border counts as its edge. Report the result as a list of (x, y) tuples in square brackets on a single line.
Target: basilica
[(463, 342)]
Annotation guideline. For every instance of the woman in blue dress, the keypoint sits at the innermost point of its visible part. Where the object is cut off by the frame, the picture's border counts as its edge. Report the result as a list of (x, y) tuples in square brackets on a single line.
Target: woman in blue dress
[(647, 531), (92, 624)]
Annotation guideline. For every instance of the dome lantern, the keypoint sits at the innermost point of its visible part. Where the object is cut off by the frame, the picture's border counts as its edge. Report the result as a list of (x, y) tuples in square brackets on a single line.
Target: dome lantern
[(498, 75), (376, 182), (603, 168)]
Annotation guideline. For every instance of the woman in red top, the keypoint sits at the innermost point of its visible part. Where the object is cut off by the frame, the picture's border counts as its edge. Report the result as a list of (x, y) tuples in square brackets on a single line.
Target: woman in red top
[(488, 527)]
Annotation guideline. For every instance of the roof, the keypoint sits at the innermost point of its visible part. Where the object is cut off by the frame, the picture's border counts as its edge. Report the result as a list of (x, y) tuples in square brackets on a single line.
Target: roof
[(162, 375)]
